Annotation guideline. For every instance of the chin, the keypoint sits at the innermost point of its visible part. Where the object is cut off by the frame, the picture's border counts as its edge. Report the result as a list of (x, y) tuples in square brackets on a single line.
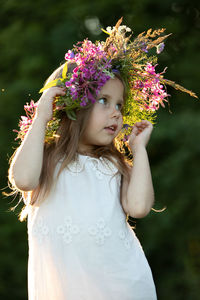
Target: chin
[(101, 144)]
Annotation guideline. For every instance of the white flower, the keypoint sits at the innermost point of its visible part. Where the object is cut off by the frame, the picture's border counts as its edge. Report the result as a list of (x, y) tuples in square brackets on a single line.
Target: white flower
[(44, 230), (101, 223), (100, 231), (67, 238), (100, 240), (68, 220), (107, 232), (109, 29), (60, 229), (121, 29), (124, 29), (92, 230), (67, 230), (75, 229)]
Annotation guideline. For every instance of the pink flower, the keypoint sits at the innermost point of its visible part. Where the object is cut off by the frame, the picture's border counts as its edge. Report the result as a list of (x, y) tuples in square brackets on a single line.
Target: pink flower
[(149, 92), (150, 69), (69, 55)]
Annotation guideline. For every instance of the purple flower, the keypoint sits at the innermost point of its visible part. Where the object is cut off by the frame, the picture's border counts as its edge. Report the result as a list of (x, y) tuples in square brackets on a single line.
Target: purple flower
[(126, 137), (144, 47), (91, 97), (160, 48), (115, 71), (126, 126), (91, 72), (83, 103)]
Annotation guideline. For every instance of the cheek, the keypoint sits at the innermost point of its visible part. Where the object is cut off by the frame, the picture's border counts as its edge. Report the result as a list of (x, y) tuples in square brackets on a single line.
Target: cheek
[(120, 124), (91, 118), (98, 115), (121, 121)]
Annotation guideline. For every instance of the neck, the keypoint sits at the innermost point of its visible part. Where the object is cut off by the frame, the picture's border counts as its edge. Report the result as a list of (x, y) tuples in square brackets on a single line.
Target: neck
[(86, 150)]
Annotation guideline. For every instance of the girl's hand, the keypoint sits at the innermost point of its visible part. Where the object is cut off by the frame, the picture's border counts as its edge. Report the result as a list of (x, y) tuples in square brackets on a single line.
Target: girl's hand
[(45, 103), (140, 134)]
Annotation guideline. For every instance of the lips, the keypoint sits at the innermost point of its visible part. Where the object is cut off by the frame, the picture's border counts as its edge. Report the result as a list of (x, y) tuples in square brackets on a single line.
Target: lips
[(111, 129)]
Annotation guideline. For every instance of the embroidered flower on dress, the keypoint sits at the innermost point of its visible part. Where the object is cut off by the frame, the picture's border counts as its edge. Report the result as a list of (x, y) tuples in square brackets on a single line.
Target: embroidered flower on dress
[(40, 230), (124, 236), (100, 231), (67, 230)]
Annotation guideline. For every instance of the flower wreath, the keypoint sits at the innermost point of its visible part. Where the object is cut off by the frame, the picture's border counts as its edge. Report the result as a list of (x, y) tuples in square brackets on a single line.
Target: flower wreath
[(98, 62)]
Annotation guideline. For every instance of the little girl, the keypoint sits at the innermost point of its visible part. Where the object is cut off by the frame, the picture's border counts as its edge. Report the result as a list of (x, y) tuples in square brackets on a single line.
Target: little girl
[(76, 183)]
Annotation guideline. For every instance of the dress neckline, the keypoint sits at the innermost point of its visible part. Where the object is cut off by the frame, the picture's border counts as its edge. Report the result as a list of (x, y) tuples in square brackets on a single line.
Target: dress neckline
[(101, 164), (85, 155)]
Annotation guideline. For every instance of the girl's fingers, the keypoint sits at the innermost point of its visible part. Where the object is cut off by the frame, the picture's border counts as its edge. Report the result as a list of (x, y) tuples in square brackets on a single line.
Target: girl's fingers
[(139, 127), (55, 90), (134, 131), (143, 124)]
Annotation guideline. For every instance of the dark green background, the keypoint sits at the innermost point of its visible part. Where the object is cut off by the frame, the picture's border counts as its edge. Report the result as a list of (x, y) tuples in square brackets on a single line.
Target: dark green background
[(34, 36)]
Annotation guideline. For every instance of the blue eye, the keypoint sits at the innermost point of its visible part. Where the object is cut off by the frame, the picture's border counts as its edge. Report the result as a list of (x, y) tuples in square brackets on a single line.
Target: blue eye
[(106, 103), (102, 101), (119, 106)]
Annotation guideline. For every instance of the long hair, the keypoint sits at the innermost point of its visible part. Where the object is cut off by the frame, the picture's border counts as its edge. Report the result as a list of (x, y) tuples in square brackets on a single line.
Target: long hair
[(65, 148)]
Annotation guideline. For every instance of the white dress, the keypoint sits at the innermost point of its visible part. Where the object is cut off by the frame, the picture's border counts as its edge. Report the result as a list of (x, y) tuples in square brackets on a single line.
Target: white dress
[(80, 244)]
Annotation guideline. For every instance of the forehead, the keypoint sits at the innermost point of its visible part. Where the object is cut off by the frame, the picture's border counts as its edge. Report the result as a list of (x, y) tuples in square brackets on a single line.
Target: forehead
[(113, 86)]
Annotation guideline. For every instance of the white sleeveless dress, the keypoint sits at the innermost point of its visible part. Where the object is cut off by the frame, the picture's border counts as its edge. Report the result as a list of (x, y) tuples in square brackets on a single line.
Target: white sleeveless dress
[(80, 244)]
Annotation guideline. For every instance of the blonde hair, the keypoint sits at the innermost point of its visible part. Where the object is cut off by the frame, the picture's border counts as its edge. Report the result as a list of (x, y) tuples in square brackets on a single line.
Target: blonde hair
[(65, 148)]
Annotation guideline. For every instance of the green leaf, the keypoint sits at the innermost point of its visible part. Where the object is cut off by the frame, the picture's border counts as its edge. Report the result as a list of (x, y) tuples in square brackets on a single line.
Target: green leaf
[(60, 83), (71, 114)]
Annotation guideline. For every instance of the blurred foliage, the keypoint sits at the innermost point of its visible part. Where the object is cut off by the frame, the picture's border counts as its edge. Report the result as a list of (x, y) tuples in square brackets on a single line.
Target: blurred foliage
[(34, 37)]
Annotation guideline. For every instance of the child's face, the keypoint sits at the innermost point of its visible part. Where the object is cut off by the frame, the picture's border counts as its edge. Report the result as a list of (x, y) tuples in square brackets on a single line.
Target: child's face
[(105, 121)]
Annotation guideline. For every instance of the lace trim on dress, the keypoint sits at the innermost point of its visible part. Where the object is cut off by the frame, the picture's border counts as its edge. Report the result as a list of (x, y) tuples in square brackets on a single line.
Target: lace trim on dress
[(100, 165)]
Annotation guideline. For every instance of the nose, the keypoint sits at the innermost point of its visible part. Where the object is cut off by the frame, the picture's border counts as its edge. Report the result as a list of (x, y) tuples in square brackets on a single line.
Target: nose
[(115, 113)]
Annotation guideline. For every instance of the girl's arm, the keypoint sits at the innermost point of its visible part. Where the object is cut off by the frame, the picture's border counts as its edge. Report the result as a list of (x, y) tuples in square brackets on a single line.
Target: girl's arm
[(26, 165), (138, 193)]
